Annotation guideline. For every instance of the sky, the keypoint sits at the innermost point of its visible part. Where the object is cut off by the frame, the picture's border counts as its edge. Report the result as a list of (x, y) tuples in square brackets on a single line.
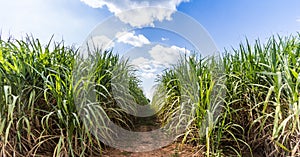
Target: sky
[(147, 36)]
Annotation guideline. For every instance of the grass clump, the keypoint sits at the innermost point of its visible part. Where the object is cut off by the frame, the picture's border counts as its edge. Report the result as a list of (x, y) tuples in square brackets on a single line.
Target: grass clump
[(266, 94), (38, 93), (257, 89)]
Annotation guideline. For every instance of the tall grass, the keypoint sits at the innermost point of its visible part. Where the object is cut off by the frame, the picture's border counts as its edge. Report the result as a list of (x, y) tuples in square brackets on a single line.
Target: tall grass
[(38, 93), (194, 86), (258, 90), (243, 103), (267, 94)]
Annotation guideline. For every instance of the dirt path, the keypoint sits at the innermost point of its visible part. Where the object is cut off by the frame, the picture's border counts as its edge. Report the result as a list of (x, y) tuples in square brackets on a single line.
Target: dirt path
[(148, 124)]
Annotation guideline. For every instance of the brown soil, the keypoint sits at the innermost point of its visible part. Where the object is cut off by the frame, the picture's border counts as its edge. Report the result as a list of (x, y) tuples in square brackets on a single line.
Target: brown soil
[(175, 149)]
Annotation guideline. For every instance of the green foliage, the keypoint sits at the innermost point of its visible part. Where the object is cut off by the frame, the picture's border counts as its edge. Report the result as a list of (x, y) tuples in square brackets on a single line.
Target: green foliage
[(264, 91), (245, 102), (258, 90), (38, 94)]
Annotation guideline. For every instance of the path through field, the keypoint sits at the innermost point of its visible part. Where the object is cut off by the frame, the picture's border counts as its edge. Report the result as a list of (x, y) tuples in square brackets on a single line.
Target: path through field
[(176, 149)]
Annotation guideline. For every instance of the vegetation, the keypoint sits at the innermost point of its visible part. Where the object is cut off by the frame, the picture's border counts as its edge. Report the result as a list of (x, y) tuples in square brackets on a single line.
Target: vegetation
[(38, 113), (245, 102), (257, 89)]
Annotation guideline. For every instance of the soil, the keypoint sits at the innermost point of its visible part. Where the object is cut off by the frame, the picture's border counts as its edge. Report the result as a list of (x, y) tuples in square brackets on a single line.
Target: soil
[(176, 149), (173, 150)]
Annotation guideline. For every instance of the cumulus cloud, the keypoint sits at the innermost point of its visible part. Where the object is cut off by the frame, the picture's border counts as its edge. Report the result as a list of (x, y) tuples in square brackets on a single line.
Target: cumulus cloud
[(159, 11), (145, 16), (161, 58), (102, 42), (132, 39), (167, 55), (147, 67), (140, 60), (298, 20), (148, 75)]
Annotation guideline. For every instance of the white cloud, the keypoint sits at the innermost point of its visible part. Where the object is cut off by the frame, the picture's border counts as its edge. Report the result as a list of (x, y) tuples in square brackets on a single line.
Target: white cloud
[(132, 39), (164, 39), (161, 58), (181, 50), (94, 3), (143, 64), (298, 20), (139, 61), (148, 75), (145, 16), (167, 55), (138, 17), (101, 42), (148, 68)]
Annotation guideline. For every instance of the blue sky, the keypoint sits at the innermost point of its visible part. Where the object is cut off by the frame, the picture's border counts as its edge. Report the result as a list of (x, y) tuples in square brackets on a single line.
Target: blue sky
[(228, 23)]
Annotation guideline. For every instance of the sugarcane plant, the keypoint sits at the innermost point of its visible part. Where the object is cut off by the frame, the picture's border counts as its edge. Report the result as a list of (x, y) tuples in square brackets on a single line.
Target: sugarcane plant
[(39, 111)]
